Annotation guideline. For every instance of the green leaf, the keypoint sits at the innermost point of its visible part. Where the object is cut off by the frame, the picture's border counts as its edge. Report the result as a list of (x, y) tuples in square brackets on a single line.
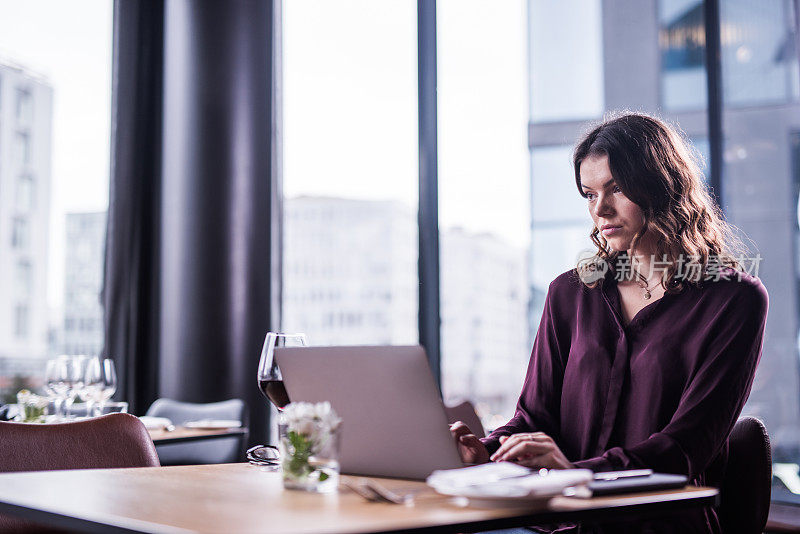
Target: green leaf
[(323, 477), (301, 444)]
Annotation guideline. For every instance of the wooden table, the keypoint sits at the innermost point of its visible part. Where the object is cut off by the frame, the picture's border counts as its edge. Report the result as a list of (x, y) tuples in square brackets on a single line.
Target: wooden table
[(182, 434), (245, 498)]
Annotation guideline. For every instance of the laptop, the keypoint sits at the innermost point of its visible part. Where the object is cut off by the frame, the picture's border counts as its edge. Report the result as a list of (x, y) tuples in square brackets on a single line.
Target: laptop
[(393, 420)]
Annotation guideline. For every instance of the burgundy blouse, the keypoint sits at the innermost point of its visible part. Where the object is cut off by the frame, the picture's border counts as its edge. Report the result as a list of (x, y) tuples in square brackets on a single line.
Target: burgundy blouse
[(662, 392)]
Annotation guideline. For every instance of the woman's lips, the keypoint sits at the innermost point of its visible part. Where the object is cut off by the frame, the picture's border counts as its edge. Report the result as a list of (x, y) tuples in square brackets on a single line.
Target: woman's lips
[(609, 231)]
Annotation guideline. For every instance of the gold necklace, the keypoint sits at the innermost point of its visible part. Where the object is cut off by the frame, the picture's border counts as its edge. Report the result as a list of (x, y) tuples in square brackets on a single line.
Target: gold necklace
[(647, 289)]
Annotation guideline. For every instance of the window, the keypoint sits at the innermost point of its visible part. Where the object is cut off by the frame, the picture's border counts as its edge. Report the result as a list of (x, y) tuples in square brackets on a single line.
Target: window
[(24, 109), (567, 81), (22, 149), (760, 176), (560, 219), (20, 233), (350, 221), (760, 197), (759, 57), (21, 321), (55, 160), (25, 193), (483, 207), (24, 280), (681, 38)]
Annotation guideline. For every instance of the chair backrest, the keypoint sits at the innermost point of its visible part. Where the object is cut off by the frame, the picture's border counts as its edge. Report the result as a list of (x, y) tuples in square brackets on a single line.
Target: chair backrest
[(465, 412), (746, 487), (114, 440), (217, 451)]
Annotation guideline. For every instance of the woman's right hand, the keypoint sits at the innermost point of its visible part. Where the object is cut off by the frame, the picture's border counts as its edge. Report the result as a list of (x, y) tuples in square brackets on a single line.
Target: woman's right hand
[(470, 448)]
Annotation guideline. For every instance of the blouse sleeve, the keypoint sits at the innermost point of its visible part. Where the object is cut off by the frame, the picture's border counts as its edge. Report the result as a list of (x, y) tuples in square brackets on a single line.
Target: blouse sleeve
[(539, 403), (713, 398)]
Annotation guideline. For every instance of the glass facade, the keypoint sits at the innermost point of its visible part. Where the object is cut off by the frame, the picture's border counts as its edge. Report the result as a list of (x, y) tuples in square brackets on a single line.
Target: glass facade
[(26, 195), (559, 219), (759, 57), (681, 39), (761, 116), (567, 82)]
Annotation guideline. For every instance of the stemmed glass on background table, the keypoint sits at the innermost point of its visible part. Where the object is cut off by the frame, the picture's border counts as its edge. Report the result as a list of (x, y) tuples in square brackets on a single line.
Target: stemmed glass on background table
[(108, 383), (63, 381), (90, 392), (99, 384), (55, 376), (76, 367), (93, 380)]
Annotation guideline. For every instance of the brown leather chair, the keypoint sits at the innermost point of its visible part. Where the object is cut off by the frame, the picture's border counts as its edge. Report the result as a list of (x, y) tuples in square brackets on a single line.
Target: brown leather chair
[(747, 485), (114, 440), (465, 412)]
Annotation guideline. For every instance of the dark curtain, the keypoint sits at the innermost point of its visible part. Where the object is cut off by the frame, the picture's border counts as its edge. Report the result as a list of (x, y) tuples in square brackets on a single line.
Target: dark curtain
[(195, 289), (131, 281)]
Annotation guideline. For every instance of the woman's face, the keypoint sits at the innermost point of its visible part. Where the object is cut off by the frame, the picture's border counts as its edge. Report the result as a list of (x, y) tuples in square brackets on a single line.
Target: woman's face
[(616, 216)]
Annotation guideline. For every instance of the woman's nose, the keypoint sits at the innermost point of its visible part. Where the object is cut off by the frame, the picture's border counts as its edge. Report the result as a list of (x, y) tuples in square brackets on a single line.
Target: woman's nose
[(604, 206)]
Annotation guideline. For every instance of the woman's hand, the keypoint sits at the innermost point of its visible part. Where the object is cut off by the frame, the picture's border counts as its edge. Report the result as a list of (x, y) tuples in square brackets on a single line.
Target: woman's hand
[(534, 449), (470, 448)]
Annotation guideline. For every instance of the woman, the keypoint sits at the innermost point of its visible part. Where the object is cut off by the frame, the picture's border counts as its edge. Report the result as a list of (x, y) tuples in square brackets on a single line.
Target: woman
[(645, 355)]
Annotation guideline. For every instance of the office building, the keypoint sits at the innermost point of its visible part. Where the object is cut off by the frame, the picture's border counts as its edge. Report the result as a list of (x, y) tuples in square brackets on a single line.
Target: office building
[(26, 101), (83, 281), (350, 271), (484, 299)]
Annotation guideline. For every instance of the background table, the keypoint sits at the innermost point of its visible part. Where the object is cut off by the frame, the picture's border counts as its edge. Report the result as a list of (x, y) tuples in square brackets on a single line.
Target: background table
[(245, 498), (182, 434)]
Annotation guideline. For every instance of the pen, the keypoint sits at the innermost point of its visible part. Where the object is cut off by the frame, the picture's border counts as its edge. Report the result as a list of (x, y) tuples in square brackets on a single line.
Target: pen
[(614, 475)]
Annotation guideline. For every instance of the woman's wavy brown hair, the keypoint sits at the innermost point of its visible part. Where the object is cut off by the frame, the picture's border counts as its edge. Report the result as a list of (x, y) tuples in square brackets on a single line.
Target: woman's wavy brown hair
[(656, 168)]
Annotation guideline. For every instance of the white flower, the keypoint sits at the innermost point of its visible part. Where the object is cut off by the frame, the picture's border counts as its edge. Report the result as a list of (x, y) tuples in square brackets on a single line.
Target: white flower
[(304, 426), (311, 420)]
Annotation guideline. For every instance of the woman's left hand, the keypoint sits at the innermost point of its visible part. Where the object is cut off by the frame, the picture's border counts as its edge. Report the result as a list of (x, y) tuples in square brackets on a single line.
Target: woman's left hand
[(534, 449)]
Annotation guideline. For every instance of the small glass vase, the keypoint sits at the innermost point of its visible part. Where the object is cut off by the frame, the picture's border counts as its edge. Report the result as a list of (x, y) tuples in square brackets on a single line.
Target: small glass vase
[(309, 457), (32, 408)]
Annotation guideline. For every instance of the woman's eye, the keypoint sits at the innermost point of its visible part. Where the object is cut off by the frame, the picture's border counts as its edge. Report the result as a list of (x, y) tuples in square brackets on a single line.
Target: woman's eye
[(617, 189), (590, 196)]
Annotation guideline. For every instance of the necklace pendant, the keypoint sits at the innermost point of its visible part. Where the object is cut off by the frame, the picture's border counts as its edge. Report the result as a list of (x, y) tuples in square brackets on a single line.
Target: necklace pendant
[(647, 294)]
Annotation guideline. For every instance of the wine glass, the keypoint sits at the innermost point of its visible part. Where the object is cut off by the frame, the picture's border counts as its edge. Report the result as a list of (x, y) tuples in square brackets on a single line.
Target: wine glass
[(92, 384), (108, 384), (73, 379), (55, 374), (270, 381)]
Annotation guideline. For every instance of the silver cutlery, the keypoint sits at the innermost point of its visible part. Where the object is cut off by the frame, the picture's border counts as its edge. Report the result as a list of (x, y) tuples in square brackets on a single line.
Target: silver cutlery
[(374, 492)]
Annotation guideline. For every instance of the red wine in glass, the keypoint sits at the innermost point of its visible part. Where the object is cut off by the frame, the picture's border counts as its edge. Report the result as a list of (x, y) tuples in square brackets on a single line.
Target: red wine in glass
[(270, 381), (275, 391)]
